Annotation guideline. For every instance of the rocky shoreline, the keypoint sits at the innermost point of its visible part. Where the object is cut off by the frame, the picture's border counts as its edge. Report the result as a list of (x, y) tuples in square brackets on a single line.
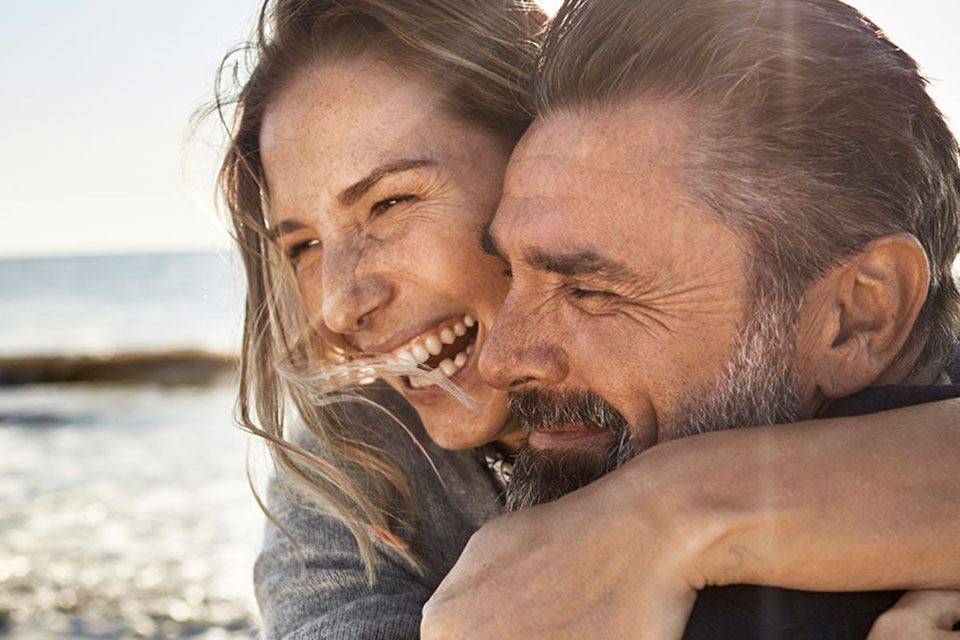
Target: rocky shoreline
[(173, 368)]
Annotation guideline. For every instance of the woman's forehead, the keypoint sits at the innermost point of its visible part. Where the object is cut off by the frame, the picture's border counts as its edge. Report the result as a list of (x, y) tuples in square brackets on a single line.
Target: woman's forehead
[(344, 102), (337, 124), (343, 113)]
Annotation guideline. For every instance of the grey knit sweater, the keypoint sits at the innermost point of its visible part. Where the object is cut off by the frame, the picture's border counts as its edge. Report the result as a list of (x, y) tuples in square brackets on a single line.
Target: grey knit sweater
[(320, 590)]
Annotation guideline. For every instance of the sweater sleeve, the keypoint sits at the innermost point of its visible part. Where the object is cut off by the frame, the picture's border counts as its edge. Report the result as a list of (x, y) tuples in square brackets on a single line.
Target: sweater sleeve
[(315, 586), (318, 588)]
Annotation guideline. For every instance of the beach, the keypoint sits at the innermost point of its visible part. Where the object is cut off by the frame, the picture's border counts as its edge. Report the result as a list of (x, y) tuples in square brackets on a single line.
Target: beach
[(124, 504)]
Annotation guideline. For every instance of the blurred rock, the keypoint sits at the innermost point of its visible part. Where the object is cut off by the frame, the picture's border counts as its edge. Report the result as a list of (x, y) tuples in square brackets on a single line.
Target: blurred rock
[(175, 368)]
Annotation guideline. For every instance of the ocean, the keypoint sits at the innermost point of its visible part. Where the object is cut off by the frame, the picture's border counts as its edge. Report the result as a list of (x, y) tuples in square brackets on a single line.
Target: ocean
[(124, 508), (101, 305)]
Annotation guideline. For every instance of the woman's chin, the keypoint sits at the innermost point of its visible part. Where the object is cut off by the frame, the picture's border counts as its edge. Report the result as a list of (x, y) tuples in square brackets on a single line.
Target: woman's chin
[(457, 427), (451, 424), (463, 431)]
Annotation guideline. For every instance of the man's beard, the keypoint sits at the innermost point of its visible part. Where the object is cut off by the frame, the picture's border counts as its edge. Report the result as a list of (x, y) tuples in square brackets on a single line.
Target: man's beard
[(758, 387), (543, 475)]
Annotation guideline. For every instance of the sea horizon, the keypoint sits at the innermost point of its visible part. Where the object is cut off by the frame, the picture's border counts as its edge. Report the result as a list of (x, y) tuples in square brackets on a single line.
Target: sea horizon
[(105, 305), (125, 510)]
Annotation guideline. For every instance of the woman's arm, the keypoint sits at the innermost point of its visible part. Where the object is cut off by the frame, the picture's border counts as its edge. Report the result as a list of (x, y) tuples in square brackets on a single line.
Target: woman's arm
[(847, 504), (852, 504)]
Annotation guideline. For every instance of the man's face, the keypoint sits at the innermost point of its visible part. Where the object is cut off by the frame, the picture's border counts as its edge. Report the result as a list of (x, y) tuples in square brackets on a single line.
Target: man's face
[(629, 319)]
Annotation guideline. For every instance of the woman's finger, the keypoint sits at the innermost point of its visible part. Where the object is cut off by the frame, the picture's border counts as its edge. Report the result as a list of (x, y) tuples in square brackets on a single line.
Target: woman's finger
[(923, 615)]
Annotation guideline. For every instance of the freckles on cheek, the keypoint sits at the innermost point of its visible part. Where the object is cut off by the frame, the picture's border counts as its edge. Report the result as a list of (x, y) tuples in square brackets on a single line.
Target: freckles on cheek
[(443, 250), (311, 292)]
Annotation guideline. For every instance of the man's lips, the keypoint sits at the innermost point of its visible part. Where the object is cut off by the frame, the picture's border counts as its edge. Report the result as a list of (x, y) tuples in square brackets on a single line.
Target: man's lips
[(574, 438)]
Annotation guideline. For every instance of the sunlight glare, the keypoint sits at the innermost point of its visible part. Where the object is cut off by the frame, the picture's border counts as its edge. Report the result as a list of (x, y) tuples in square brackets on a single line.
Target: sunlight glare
[(549, 6)]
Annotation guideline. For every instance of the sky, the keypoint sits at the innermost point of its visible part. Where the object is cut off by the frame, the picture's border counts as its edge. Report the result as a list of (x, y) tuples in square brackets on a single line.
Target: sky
[(94, 109), (97, 95)]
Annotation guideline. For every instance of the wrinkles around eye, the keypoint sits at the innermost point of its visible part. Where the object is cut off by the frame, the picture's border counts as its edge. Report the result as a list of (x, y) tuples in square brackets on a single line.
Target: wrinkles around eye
[(593, 301), (382, 206)]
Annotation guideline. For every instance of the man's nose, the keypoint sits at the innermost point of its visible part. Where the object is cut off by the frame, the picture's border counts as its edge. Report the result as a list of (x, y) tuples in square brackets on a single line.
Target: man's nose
[(353, 292), (521, 350)]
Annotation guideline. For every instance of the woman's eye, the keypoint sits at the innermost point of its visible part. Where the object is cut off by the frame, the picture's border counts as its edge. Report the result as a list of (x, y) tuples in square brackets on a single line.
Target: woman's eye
[(297, 249), (381, 207)]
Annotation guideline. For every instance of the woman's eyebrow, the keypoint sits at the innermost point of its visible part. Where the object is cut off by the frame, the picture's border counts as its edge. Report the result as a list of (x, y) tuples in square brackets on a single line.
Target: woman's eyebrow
[(285, 227), (355, 191)]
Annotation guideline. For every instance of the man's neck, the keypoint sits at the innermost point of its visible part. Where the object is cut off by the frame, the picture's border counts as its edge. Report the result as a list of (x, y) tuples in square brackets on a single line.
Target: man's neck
[(881, 398), (925, 378), (904, 371)]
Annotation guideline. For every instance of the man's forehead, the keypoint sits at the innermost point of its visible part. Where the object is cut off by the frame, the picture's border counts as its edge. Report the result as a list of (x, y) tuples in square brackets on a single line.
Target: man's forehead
[(639, 130), (590, 171)]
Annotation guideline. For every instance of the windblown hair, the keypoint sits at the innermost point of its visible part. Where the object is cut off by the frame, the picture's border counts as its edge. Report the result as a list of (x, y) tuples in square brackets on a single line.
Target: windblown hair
[(480, 52), (813, 133)]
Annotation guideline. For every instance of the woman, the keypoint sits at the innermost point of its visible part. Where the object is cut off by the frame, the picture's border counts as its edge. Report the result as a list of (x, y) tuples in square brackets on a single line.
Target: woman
[(367, 153)]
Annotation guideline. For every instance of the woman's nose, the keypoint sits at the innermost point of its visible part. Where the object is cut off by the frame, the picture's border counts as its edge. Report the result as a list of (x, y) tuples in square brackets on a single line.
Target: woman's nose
[(352, 292)]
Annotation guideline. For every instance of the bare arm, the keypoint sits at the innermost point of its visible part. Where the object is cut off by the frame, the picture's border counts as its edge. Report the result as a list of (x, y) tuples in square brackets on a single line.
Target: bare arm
[(847, 504), (850, 504)]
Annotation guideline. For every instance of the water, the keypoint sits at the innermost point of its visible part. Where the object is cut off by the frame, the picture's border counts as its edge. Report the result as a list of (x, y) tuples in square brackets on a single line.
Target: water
[(124, 510), (115, 304)]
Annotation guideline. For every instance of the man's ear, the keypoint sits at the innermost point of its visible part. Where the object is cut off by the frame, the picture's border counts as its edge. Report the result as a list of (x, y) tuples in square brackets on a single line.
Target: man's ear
[(856, 319)]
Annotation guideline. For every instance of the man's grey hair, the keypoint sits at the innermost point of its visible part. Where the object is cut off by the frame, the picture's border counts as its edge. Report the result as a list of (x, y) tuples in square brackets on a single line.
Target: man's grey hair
[(813, 133)]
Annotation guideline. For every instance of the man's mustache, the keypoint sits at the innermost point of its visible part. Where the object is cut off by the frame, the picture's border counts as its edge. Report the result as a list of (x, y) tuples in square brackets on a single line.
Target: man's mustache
[(552, 410)]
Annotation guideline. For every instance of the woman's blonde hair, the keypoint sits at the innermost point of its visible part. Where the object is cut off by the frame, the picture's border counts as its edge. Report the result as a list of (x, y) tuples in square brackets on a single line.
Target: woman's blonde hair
[(480, 52)]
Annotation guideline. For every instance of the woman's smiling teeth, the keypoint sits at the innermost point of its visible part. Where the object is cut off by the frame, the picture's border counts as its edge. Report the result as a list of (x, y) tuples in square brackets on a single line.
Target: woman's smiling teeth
[(446, 348)]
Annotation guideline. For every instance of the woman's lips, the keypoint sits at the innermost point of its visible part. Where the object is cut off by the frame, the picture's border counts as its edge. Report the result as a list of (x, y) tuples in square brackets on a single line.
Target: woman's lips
[(424, 392), (446, 347)]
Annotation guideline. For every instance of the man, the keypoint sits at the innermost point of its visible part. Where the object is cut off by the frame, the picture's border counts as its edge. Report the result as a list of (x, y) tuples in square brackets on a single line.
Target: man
[(728, 213)]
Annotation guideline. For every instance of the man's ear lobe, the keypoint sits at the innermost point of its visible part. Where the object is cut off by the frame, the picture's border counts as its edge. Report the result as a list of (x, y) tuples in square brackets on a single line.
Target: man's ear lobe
[(863, 313)]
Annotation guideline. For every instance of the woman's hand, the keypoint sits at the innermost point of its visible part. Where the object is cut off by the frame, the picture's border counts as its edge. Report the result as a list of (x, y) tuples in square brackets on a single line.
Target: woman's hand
[(565, 570), (920, 615)]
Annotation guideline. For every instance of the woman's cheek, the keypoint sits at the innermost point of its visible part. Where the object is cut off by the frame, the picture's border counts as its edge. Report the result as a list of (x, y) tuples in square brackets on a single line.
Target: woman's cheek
[(310, 282)]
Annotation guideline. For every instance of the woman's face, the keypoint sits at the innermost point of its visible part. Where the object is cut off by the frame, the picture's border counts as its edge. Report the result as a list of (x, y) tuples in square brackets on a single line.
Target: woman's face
[(378, 195)]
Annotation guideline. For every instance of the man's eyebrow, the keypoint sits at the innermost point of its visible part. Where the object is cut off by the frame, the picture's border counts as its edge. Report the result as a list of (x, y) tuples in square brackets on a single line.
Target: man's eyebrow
[(488, 244), (572, 264), (355, 191), (579, 263)]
